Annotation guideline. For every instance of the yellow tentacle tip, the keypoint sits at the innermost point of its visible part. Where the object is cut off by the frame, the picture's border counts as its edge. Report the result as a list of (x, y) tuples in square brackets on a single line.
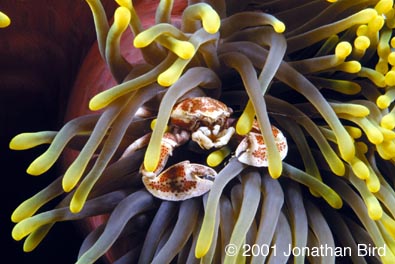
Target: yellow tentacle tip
[(167, 78), (76, 205), (5, 21), (391, 58), (149, 165), (30, 140), (384, 6), (23, 211), (362, 43), (335, 201), (375, 211), (383, 101), (354, 132), (31, 244), (362, 30), (39, 166), (17, 216), (153, 123), (361, 147), (68, 184), (275, 170), (390, 78), (20, 142), (17, 234), (210, 20), (343, 49), (279, 27), (338, 168), (337, 204), (145, 38), (122, 16), (360, 169), (151, 159), (388, 121), (376, 23), (199, 253), (373, 184), (351, 66), (216, 157), (244, 125), (201, 249), (139, 42), (212, 25), (184, 49), (100, 101), (171, 75), (71, 177), (246, 120)]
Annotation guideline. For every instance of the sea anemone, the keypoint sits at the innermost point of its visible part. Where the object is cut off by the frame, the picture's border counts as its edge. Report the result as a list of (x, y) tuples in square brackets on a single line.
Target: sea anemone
[(325, 79)]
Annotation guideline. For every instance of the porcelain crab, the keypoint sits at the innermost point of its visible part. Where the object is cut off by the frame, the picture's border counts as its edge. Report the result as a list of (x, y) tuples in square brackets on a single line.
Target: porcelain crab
[(206, 118), (205, 121)]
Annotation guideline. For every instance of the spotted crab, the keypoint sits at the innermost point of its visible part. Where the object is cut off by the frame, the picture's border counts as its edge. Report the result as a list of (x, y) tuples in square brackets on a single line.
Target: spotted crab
[(206, 118), (203, 120), (206, 121), (252, 149)]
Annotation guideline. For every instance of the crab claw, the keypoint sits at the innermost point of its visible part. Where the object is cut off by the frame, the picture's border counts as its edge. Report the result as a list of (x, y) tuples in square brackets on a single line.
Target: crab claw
[(252, 149), (181, 181)]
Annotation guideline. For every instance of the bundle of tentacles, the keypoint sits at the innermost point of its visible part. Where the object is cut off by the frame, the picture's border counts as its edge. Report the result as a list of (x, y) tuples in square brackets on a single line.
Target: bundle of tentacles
[(196, 126)]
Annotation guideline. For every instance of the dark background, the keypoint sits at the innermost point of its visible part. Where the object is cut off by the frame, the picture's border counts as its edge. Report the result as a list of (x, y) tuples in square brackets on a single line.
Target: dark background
[(40, 54)]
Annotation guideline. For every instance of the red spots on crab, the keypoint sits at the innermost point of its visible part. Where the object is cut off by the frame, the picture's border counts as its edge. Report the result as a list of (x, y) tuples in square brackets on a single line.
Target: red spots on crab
[(173, 180), (180, 181), (260, 153), (201, 105), (259, 139), (188, 113), (275, 131), (282, 146), (252, 149), (164, 153)]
